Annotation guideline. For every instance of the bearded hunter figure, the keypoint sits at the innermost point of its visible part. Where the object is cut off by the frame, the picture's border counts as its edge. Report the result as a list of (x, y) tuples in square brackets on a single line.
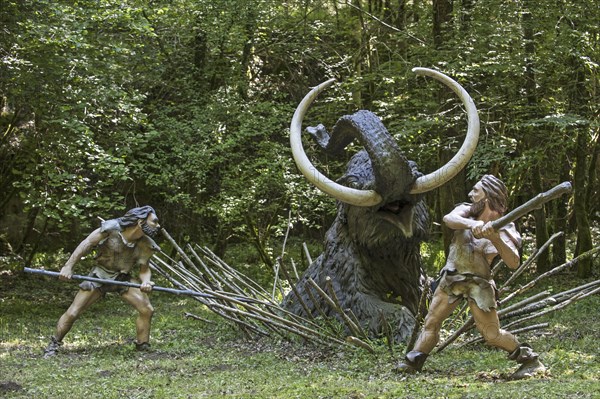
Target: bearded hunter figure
[(121, 244), (467, 275)]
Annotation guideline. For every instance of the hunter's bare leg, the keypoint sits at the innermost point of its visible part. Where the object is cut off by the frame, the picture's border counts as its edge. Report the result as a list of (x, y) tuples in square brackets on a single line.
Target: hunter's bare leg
[(140, 301), (488, 325), (82, 301), (439, 310)]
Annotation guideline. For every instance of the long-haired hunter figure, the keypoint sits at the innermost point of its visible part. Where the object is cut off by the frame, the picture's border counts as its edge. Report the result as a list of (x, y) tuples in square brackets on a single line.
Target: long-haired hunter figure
[(467, 275), (121, 244)]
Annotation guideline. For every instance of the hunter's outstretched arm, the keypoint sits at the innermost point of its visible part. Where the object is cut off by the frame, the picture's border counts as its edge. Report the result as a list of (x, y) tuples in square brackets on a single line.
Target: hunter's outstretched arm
[(82, 249)]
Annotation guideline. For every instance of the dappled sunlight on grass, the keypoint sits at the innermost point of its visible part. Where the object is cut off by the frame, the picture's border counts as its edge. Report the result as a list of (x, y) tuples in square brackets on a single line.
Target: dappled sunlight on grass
[(13, 344), (209, 358)]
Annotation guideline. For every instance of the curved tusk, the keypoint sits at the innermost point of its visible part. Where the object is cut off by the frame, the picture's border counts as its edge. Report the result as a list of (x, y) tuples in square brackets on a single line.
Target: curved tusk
[(461, 158), (345, 194)]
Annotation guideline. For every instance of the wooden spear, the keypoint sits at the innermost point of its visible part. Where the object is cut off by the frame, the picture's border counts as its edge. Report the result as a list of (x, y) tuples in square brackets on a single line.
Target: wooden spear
[(534, 203), (132, 285)]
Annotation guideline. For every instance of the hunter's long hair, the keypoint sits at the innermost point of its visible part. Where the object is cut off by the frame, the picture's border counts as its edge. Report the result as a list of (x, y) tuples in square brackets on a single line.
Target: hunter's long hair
[(133, 215), (496, 193)]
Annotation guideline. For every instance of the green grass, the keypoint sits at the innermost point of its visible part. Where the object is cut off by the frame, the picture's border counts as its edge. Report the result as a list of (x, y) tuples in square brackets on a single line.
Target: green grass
[(196, 359)]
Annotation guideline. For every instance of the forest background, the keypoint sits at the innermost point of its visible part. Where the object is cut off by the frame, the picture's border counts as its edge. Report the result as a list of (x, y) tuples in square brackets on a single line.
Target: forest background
[(185, 105)]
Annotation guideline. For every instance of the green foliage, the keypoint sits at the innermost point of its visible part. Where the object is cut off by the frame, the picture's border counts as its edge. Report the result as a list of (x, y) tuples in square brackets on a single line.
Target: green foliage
[(68, 77), (71, 180), (433, 258), (185, 104)]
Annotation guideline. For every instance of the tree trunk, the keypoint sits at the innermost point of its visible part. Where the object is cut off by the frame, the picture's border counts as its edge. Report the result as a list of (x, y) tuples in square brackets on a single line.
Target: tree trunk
[(442, 21), (221, 242), (447, 194), (559, 247), (250, 29), (358, 94), (36, 245), (541, 227), (29, 229), (592, 192), (259, 240), (466, 14), (584, 235), (366, 60), (451, 194), (579, 98), (400, 15)]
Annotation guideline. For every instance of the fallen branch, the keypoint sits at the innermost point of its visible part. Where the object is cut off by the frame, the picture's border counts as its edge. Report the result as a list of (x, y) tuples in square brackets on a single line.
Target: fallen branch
[(568, 293), (295, 272), (353, 325), (357, 342), (465, 327), (295, 291), (561, 305), (556, 270), (278, 264), (349, 323), (318, 307), (422, 310), (530, 308), (306, 253), (252, 317), (523, 303), (254, 288), (245, 327), (387, 331), (195, 317), (529, 261), (518, 331)]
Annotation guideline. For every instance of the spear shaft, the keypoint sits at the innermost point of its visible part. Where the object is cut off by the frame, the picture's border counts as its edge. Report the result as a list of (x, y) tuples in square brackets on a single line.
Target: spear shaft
[(133, 285), (534, 203)]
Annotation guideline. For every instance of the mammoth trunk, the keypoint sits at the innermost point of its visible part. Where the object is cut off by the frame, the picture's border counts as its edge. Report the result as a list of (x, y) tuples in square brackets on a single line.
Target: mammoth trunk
[(392, 173)]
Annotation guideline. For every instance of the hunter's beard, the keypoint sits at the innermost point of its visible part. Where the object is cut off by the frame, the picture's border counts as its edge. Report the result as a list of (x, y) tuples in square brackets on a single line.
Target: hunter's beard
[(149, 231), (477, 208)]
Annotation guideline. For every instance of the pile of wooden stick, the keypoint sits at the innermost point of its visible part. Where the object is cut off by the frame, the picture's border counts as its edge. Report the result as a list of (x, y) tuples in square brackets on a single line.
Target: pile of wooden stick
[(240, 300)]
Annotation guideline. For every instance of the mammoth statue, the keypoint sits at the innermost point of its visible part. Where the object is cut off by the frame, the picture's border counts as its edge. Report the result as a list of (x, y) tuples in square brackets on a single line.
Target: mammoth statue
[(371, 252)]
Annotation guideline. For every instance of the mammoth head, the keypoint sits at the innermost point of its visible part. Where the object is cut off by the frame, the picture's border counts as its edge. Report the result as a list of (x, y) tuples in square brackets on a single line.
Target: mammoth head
[(395, 180)]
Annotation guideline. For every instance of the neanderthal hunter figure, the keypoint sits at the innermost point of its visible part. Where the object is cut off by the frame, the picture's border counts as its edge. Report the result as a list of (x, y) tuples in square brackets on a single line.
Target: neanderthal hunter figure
[(467, 274), (121, 245)]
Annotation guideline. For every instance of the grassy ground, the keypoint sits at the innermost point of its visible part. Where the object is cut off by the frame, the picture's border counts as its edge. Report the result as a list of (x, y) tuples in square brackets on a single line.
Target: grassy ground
[(196, 359)]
